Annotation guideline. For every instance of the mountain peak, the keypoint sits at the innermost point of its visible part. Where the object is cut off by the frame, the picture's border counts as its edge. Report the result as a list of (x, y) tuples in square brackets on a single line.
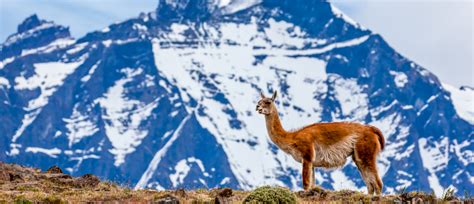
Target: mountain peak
[(29, 23), (200, 9), (33, 32), (185, 9)]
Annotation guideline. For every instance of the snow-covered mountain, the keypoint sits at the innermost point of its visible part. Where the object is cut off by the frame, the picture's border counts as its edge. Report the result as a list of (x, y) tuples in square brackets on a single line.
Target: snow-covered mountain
[(167, 99)]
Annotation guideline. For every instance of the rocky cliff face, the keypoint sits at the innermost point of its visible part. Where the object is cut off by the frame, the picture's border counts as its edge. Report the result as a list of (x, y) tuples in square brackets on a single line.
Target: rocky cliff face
[(166, 100)]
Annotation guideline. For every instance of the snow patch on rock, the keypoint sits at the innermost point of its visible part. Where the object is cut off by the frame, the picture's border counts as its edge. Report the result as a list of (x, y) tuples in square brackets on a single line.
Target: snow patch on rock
[(123, 116), (463, 101)]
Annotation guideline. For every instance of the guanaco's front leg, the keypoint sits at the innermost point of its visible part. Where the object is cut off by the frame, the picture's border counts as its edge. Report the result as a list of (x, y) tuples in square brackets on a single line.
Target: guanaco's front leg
[(307, 174)]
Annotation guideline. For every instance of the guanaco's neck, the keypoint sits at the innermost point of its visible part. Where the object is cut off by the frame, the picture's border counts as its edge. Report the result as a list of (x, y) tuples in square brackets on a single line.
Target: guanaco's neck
[(274, 127)]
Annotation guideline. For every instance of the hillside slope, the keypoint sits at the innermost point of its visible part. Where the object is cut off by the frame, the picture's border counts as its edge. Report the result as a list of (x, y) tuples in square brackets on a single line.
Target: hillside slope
[(21, 184)]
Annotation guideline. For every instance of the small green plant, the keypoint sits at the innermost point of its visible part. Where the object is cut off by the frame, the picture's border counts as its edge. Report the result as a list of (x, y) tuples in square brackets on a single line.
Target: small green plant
[(22, 201), (448, 194), (201, 190), (467, 195), (269, 194)]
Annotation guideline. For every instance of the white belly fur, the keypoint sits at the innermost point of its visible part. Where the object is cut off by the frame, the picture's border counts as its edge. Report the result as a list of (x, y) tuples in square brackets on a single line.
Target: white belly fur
[(335, 155)]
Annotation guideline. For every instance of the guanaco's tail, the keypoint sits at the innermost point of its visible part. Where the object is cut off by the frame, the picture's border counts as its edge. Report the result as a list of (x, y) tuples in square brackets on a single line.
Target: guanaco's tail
[(380, 136)]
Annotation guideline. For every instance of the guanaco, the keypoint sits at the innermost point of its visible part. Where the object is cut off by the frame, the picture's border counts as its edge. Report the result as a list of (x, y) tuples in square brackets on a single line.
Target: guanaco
[(327, 145)]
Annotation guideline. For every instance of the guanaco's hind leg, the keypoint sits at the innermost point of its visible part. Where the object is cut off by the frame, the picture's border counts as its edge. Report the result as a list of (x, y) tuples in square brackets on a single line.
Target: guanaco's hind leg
[(365, 158), (308, 178)]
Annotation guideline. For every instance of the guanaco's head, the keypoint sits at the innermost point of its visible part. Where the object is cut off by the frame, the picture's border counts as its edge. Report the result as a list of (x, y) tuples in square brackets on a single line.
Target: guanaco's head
[(265, 105)]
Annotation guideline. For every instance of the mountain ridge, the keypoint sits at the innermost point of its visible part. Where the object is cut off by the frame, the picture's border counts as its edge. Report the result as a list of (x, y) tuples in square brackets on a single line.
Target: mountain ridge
[(139, 72)]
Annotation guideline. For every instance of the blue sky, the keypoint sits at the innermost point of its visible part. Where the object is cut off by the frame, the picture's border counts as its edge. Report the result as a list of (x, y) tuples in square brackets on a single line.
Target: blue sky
[(81, 16), (437, 34)]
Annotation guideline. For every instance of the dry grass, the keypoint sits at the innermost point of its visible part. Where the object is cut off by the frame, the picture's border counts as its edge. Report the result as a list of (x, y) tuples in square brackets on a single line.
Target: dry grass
[(27, 185), (107, 192)]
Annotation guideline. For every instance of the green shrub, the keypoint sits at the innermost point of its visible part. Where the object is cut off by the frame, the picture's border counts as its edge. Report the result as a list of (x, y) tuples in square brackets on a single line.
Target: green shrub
[(22, 201), (268, 194), (52, 199)]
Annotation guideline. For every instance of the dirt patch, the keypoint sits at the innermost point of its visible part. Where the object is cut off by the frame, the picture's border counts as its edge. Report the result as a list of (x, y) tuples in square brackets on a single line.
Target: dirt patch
[(226, 192), (181, 193), (87, 181), (224, 196), (314, 193), (54, 170), (167, 199)]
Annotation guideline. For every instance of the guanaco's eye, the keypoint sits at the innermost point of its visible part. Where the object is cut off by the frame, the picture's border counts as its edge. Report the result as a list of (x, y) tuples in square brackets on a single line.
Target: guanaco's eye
[(267, 102)]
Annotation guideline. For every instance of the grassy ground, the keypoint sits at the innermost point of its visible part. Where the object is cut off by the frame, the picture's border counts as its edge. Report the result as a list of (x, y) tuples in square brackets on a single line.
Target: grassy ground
[(28, 185)]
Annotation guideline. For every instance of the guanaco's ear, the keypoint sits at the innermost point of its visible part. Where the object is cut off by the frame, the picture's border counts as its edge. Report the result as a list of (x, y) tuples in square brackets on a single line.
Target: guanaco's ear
[(261, 95), (274, 95)]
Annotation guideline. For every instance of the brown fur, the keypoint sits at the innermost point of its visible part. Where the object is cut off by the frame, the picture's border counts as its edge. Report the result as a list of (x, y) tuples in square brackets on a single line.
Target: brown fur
[(327, 145)]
